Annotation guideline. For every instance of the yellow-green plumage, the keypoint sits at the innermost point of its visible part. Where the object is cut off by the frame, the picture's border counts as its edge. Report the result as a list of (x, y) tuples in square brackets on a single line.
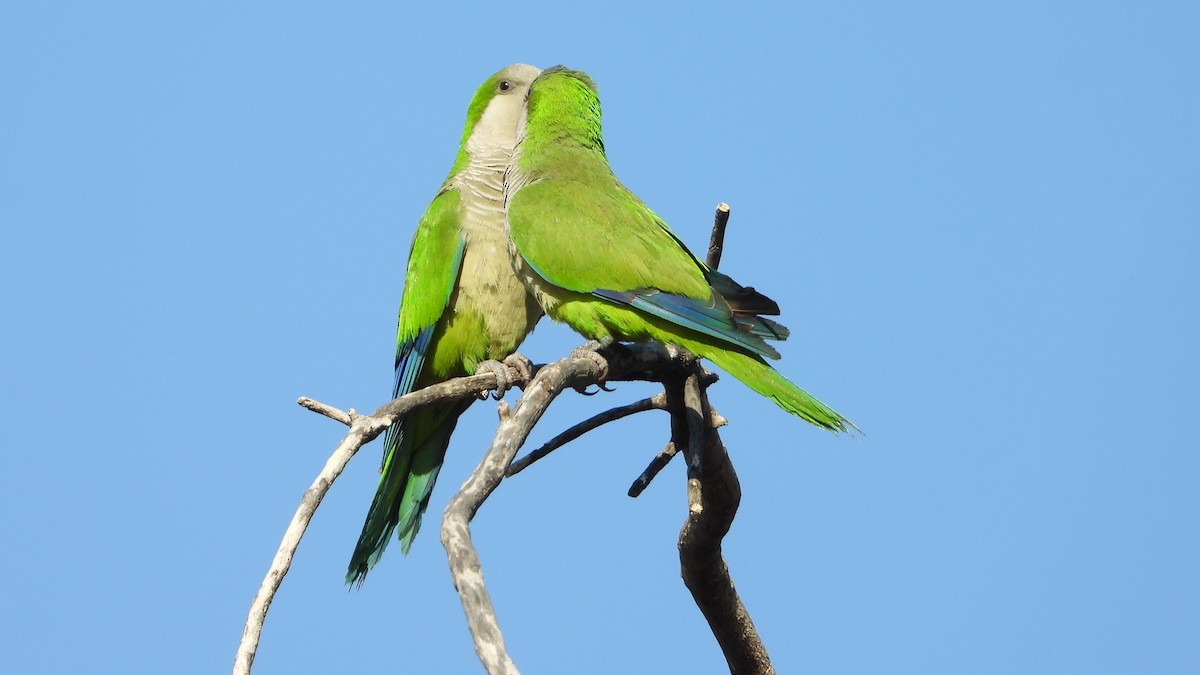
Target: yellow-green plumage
[(599, 260), (462, 304)]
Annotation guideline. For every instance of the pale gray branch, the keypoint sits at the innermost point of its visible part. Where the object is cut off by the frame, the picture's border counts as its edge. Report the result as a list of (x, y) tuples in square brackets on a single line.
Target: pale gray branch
[(465, 565), (327, 410), (363, 429), (354, 440)]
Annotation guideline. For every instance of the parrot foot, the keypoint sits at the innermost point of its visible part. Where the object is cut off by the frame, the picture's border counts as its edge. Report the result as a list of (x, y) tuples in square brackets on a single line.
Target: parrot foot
[(590, 351), (504, 380), (522, 365)]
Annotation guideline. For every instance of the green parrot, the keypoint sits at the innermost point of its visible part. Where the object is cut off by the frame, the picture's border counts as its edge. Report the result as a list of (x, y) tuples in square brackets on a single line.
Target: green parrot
[(599, 260), (462, 308)]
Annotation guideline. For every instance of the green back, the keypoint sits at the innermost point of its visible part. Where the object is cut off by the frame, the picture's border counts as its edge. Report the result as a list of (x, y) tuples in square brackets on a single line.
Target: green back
[(573, 220)]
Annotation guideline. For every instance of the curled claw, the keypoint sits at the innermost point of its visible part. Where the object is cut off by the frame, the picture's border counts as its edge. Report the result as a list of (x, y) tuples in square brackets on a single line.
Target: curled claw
[(523, 368), (589, 352), (600, 386), (503, 381)]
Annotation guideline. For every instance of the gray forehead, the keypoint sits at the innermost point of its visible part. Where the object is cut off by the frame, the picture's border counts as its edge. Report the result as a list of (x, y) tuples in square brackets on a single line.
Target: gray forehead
[(520, 72)]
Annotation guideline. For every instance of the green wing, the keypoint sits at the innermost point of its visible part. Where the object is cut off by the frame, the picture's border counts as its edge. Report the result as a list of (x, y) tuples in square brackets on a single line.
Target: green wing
[(433, 267), (589, 232)]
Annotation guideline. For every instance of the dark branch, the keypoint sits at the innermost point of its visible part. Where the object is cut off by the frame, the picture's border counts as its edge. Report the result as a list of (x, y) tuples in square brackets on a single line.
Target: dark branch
[(694, 452), (656, 402), (660, 461), (713, 498), (716, 241)]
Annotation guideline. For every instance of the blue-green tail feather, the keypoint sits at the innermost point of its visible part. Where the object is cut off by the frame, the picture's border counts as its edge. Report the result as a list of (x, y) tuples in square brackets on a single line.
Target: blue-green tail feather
[(413, 457)]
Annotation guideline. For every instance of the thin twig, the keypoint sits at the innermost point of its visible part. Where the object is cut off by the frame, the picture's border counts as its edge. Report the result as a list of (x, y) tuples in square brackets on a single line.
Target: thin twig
[(663, 458), (360, 428), (327, 410), (716, 241), (656, 402), (657, 464)]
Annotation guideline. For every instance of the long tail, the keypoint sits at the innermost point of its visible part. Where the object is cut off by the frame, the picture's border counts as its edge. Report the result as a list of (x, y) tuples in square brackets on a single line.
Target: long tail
[(754, 372), (415, 449)]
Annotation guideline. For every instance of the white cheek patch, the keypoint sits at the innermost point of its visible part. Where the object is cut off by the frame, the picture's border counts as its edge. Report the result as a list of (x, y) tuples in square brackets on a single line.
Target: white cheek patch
[(496, 129)]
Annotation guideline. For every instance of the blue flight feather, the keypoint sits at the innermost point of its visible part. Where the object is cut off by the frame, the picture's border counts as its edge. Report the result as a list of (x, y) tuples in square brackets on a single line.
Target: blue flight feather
[(712, 318)]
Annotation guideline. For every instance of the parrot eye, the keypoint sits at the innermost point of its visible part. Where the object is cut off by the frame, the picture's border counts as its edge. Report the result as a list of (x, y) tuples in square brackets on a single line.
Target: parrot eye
[(505, 85)]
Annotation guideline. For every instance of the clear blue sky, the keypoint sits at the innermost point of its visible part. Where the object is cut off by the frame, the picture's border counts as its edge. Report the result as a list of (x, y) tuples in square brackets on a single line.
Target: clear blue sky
[(982, 222)]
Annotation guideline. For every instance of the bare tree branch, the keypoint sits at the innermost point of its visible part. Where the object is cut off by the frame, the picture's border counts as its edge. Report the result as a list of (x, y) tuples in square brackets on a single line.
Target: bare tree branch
[(656, 465), (716, 241), (359, 428), (694, 451), (624, 362), (713, 489), (713, 498), (363, 429), (668, 453), (327, 410), (465, 565)]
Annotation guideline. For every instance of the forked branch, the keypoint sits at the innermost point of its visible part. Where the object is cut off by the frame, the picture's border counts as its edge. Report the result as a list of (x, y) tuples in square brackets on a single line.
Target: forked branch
[(363, 429), (713, 489)]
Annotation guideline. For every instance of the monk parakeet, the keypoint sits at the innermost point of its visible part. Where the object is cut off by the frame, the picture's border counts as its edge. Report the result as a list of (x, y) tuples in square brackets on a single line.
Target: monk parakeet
[(599, 260), (462, 305)]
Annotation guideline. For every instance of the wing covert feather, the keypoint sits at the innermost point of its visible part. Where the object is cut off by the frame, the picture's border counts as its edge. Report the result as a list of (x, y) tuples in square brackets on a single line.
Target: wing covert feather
[(584, 231)]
